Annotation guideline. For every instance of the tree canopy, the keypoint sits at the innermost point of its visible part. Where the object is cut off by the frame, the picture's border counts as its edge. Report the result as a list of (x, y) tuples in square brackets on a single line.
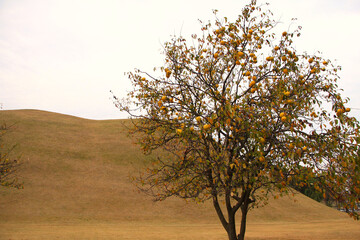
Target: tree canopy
[(239, 114)]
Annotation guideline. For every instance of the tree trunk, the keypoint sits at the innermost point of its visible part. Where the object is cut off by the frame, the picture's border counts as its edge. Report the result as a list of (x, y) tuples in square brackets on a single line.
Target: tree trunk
[(231, 226), (244, 211), (220, 213)]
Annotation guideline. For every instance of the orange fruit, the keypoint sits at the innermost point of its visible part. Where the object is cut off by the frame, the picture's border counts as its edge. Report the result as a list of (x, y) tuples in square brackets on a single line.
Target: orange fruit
[(206, 126), (240, 54), (252, 83), (340, 111), (168, 72)]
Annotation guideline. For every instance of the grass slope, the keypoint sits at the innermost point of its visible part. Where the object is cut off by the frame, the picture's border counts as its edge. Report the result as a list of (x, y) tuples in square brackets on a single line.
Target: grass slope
[(77, 171)]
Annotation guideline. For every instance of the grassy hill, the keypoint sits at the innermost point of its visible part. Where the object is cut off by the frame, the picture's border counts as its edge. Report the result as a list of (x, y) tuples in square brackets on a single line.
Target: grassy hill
[(77, 171)]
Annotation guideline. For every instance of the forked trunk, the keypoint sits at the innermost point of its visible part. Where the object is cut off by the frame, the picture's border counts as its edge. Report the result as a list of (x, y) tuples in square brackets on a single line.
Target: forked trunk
[(230, 223), (231, 226)]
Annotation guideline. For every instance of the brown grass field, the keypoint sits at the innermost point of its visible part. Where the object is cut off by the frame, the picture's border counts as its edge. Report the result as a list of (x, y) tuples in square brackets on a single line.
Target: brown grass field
[(76, 186)]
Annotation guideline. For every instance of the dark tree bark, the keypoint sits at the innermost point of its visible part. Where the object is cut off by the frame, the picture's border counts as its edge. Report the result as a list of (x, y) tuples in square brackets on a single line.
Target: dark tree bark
[(229, 224), (220, 213), (244, 211)]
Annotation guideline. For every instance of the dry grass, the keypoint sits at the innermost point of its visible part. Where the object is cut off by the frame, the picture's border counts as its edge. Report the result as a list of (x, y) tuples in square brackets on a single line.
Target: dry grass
[(329, 230), (75, 173)]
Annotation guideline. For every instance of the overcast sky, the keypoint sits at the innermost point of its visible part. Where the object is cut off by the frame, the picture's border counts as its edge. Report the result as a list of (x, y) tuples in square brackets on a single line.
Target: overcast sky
[(66, 55)]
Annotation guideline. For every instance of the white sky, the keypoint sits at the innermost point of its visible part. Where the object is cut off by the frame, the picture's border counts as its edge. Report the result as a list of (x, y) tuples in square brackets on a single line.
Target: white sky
[(66, 55)]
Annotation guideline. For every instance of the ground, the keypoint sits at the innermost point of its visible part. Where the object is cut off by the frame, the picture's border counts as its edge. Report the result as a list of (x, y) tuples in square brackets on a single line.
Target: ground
[(76, 175)]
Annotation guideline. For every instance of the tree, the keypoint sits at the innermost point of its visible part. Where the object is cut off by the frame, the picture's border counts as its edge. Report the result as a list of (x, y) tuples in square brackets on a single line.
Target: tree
[(238, 115), (8, 166)]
